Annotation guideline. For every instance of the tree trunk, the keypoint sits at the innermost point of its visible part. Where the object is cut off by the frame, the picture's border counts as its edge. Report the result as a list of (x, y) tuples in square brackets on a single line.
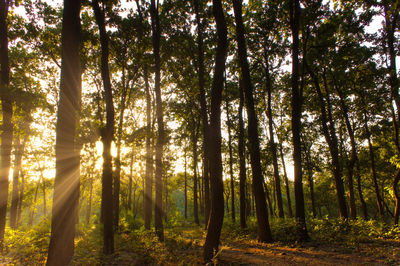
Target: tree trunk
[(20, 199), (264, 232), (309, 167), (185, 186), (66, 183), (360, 194), (89, 206), (7, 111), (273, 145), (203, 109), (242, 161), (107, 136), (296, 121), (16, 174), (195, 187), (353, 157), (156, 31), (373, 168), (289, 202), (229, 123), (215, 161), (271, 211), (44, 193)]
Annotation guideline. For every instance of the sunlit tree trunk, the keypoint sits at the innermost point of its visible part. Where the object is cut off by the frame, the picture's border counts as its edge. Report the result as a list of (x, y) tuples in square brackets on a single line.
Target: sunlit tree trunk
[(217, 186), (107, 135), (7, 112), (156, 30), (66, 183), (18, 150), (294, 10), (264, 232), (242, 160)]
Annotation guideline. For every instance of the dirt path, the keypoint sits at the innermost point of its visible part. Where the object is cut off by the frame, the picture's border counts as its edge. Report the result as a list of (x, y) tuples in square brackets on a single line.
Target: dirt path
[(274, 254)]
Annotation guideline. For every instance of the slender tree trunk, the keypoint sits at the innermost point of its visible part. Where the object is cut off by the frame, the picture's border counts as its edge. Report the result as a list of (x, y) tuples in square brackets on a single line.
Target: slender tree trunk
[(273, 145), (373, 168), (215, 161), (66, 183), (44, 193), (194, 143), (242, 161), (360, 194), (271, 210), (296, 121), (309, 167), (107, 136), (7, 111), (353, 157), (185, 186), (229, 123), (89, 206), (129, 207), (289, 202), (21, 198), (156, 30), (117, 174), (203, 109), (264, 232), (16, 174)]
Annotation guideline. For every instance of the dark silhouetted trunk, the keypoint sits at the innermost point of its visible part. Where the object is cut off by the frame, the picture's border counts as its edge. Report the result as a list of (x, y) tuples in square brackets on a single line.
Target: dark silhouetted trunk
[(353, 156), (360, 194), (185, 185), (271, 210), (373, 168), (203, 109), (106, 135), (229, 123), (195, 187), (296, 121), (7, 112), (215, 160), (289, 202), (264, 232), (273, 145), (156, 31), (19, 148), (309, 167), (242, 161), (66, 183)]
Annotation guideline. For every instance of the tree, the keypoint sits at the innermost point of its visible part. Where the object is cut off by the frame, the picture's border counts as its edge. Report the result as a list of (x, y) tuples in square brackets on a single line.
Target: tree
[(66, 184), (217, 186), (294, 8), (107, 135), (156, 31)]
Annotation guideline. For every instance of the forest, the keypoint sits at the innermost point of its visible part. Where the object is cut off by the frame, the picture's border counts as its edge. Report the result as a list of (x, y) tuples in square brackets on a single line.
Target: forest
[(199, 132)]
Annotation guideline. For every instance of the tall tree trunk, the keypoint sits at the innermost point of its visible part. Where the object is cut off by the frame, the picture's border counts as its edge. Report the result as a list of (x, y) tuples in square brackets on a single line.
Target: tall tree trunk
[(44, 193), (273, 145), (309, 166), (331, 139), (229, 123), (289, 202), (203, 109), (264, 232), (195, 187), (129, 203), (107, 136), (16, 174), (185, 186), (360, 194), (242, 160), (117, 174), (20, 198), (66, 183), (296, 121), (89, 206), (373, 168), (271, 210), (156, 30), (7, 111), (353, 157), (391, 20), (215, 161)]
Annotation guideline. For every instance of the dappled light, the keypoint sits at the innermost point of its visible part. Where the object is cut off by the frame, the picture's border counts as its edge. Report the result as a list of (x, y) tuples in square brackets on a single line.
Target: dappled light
[(243, 132)]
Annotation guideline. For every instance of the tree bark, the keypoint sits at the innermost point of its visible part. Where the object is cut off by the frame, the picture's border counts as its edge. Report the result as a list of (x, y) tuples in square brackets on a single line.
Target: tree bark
[(242, 160), (7, 111), (297, 99), (107, 135), (185, 185), (228, 124), (215, 163), (264, 231), (203, 109), (156, 31), (195, 187), (19, 148), (66, 183), (273, 145), (289, 202)]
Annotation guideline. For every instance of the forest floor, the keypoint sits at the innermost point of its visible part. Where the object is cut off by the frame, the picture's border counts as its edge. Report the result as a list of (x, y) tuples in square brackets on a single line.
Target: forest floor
[(332, 243)]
